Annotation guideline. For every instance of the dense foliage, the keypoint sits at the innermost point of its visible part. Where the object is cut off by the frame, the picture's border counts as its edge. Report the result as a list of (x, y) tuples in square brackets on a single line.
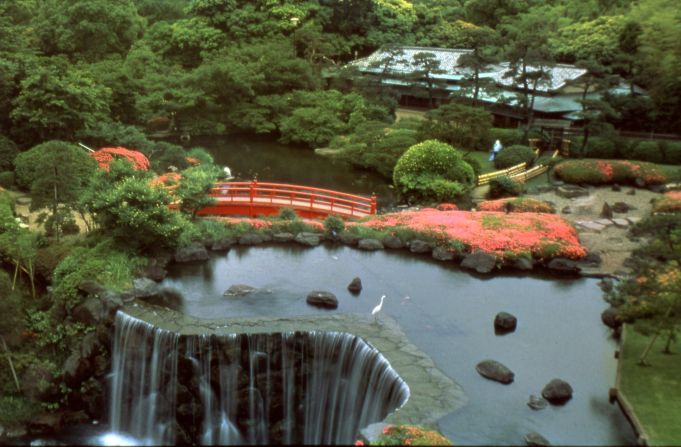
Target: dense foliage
[(433, 170), (514, 155), (604, 172)]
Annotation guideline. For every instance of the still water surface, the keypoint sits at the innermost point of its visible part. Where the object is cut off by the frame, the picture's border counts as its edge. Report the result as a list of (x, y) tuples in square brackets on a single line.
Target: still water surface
[(448, 314), (250, 156)]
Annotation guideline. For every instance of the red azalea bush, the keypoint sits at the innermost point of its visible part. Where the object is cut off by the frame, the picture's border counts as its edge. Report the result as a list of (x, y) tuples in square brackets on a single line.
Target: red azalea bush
[(410, 435), (517, 205), (545, 236), (105, 155), (601, 172), (447, 207), (669, 203), (169, 180)]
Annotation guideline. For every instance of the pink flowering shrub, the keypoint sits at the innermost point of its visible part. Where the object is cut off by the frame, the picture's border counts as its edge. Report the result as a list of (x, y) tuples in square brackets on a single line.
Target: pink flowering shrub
[(602, 172), (105, 155), (543, 235), (447, 207), (517, 205), (410, 435), (669, 203)]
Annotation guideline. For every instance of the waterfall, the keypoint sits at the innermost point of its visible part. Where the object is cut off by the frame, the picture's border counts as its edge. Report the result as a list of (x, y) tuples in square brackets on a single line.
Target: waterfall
[(281, 388)]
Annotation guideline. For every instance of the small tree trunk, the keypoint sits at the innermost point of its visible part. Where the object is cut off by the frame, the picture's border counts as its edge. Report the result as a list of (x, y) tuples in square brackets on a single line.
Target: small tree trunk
[(644, 355), (11, 365), (16, 274), (31, 276), (670, 339)]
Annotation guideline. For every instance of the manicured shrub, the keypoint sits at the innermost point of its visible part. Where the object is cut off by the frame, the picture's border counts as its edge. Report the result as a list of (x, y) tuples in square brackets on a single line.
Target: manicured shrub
[(8, 151), (7, 179), (598, 147), (504, 186), (602, 172), (433, 170), (507, 137), (514, 155), (647, 151)]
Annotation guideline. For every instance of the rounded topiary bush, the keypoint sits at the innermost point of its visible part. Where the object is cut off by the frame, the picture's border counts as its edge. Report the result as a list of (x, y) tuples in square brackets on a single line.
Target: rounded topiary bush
[(504, 186), (513, 155), (602, 172), (433, 170)]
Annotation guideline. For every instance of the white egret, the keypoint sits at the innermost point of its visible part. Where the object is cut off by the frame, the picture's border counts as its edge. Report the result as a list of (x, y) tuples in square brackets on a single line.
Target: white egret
[(378, 308)]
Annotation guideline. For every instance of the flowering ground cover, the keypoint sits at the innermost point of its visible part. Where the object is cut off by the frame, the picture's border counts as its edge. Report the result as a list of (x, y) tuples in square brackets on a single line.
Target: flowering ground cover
[(669, 203), (105, 155), (408, 435), (542, 235), (602, 172), (517, 205)]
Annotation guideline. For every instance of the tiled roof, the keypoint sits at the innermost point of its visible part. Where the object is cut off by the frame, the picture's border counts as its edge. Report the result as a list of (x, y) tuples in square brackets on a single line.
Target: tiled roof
[(560, 74)]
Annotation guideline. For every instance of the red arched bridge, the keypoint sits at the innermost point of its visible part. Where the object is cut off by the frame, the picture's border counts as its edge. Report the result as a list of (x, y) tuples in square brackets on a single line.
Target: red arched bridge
[(255, 198)]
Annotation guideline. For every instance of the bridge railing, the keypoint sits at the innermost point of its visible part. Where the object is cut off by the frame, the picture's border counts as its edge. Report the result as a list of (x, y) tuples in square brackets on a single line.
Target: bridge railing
[(282, 194)]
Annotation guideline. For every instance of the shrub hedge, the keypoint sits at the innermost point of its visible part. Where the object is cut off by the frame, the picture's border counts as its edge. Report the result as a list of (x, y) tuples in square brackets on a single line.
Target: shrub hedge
[(504, 186), (514, 155), (601, 172), (507, 137)]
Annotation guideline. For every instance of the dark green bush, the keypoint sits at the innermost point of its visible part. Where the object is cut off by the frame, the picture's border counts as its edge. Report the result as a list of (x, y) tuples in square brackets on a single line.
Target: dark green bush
[(647, 151), (8, 151), (672, 152), (514, 155), (433, 170), (334, 225), (507, 137), (286, 213), (475, 164), (598, 147), (504, 186), (7, 179)]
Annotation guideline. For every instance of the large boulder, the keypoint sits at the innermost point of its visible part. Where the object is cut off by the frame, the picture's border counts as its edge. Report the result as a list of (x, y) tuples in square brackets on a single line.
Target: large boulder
[(91, 287), (571, 191), (494, 370), (557, 391), (355, 285), (155, 273), (322, 299), (348, 238), (192, 252), (606, 211), (522, 263), (77, 368), (90, 312), (165, 297), (480, 261), (564, 266), (442, 254), (392, 242), (419, 246), (505, 322), (369, 244), (283, 237), (310, 239), (251, 239), (223, 244), (239, 290)]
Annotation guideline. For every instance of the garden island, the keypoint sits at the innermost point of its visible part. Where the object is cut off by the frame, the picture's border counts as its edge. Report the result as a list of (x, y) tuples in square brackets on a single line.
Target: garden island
[(340, 222)]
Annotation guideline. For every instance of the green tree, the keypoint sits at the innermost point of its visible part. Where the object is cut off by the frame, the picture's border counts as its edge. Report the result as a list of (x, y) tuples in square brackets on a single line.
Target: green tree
[(593, 40), (459, 125), (427, 67), (89, 29), (479, 39), (56, 101), (56, 173), (194, 187)]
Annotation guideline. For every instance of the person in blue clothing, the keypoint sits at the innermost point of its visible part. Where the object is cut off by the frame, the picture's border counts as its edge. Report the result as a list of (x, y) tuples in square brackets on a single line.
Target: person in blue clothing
[(495, 150)]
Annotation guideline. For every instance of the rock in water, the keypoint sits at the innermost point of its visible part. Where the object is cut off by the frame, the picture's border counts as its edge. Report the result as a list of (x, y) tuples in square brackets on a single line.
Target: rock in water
[(557, 391), (322, 299), (355, 285), (239, 290), (480, 261), (535, 439), (505, 322), (494, 370)]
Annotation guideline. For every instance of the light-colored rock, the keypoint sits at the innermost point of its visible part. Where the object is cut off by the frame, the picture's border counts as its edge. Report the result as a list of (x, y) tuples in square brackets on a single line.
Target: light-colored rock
[(621, 223), (604, 222), (590, 225), (633, 220)]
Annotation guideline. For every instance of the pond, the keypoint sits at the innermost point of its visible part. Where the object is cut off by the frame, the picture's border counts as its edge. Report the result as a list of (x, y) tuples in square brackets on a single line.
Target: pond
[(250, 156), (449, 315)]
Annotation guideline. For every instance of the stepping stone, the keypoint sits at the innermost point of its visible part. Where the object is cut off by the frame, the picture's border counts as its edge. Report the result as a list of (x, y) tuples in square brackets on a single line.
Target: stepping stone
[(493, 370), (590, 225), (621, 223), (605, 222), (535, 439), (634, 220)]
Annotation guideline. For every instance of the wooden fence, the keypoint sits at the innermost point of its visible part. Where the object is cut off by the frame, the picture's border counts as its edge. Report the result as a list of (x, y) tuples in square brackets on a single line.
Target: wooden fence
[(518, 172)]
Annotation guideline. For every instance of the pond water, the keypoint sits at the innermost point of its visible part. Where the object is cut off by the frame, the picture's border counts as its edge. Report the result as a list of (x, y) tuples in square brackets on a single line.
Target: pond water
[(250, 156), (449, 315)]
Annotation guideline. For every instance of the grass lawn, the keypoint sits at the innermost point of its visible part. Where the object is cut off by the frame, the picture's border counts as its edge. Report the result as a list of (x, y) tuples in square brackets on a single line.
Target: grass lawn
[(654, 391)]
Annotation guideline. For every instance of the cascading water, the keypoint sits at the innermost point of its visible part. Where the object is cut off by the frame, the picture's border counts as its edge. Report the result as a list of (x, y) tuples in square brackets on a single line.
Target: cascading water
[(283, 388)]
